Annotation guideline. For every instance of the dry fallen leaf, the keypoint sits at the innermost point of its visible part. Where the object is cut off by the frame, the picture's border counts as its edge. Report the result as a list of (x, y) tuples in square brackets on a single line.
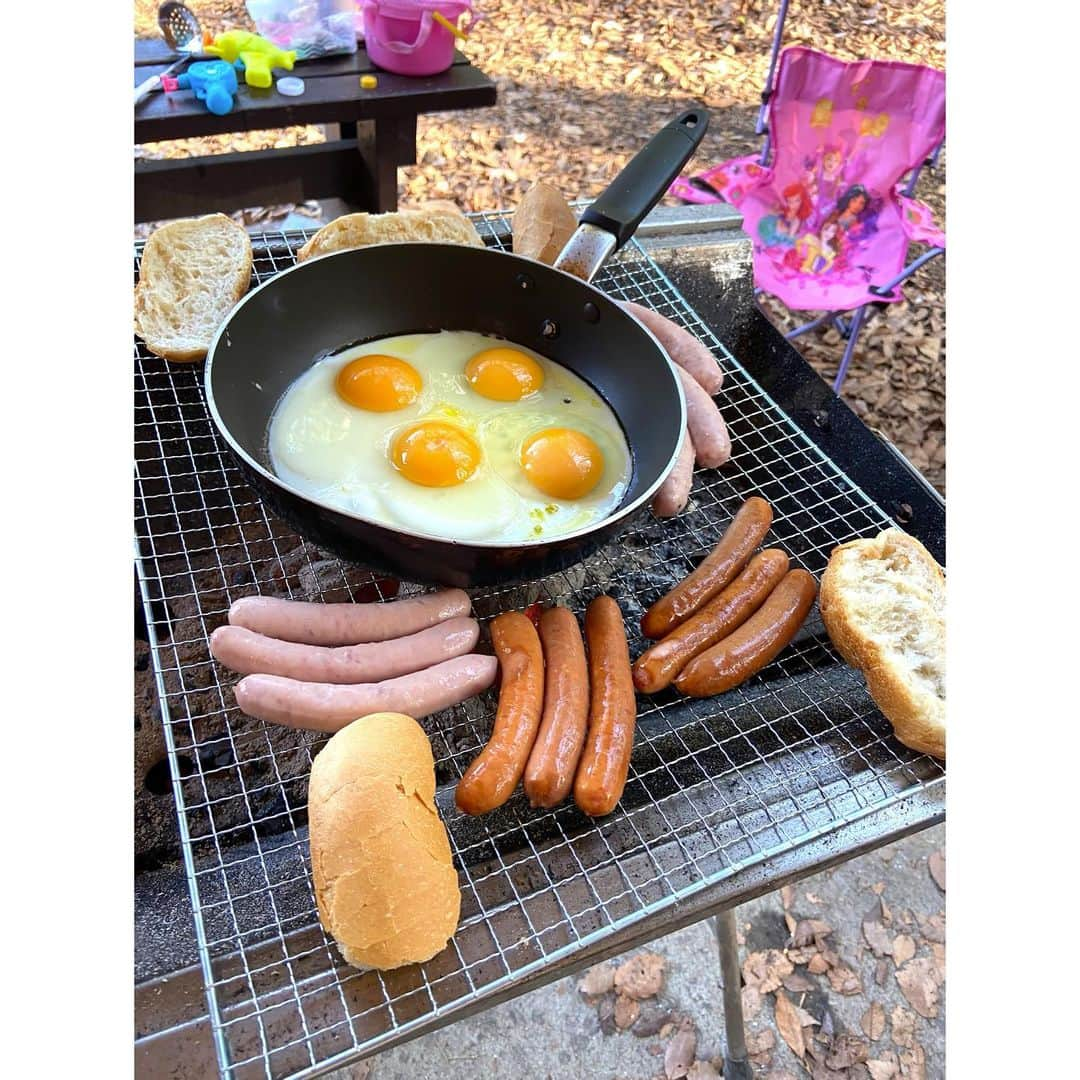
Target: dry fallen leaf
[(913, 1063), (787, 1023), (818, 965), (766, 970), (642, 976), (938, 952), (903, 949), (813, 898), (937, 868), (847, 1050), (606, 1016), (877, 937), (798, 984), (651, 1020), (787, 894), (881, 1070), (844, 980), (679, 1055), (809, 931), (703, 1070), (918, 980), (802, 956), (903, 1026), (597, 981), (873, 1021), (789, 919), (626, 1011), (881, 972), (933, 927), (759, 1046), (886, 912)]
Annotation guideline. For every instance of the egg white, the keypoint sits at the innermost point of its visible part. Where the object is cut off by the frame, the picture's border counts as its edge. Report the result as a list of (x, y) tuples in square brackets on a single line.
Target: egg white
[(340, 455)]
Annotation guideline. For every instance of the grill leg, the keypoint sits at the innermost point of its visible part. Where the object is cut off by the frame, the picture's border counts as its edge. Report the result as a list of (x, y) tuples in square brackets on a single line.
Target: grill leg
[(736, 1061)]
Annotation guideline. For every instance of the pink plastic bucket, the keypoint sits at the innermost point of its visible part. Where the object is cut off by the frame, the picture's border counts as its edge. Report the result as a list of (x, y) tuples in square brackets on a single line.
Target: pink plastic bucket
[(401, 36)]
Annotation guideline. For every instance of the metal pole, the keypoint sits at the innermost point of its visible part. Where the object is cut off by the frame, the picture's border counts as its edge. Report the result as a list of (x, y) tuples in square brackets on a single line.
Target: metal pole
[(736, 1061)]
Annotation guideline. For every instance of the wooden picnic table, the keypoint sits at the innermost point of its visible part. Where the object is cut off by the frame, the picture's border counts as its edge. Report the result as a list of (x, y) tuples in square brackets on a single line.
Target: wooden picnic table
[(375, 129)]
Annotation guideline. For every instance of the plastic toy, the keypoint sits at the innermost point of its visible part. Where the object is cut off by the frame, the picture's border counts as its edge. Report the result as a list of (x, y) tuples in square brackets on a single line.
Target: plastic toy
[(256, 54), (213, 81), (414, 37)]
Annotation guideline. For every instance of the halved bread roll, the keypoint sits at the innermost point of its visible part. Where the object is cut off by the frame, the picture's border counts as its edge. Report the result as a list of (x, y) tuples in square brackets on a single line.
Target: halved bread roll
[(883, 603), (439, 225)]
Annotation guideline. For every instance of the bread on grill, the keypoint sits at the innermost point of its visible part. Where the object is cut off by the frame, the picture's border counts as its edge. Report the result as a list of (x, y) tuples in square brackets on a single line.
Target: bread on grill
[(385, 884), (434, 224), (883, 603), (192, 274)]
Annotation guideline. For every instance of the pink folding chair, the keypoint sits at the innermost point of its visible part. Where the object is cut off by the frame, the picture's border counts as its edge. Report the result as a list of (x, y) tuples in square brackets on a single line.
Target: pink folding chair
[(829, 200)]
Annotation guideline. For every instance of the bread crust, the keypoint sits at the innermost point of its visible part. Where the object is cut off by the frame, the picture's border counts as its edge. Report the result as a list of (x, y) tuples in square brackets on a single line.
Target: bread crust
[(385, 884), (431, 225), (170, 251), (916, 713)]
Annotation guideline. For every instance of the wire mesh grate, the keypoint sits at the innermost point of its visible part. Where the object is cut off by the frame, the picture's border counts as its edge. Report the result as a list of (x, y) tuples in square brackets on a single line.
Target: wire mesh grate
[(715, 787)]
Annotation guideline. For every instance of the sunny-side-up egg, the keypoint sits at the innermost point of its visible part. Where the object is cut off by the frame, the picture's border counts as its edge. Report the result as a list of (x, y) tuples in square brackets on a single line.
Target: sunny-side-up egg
[(454, 435)]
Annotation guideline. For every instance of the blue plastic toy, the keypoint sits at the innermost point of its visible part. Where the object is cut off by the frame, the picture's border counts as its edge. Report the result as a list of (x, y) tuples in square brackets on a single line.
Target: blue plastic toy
[(214, 83)]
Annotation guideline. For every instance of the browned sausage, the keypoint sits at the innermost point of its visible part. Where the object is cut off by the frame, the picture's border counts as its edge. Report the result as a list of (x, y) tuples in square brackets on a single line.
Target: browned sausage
[(330, 706), (754, 644), (601, 775), (719, 567), (708, 432), (549, 775), (657, 668), (690, 354), (346, 624), (490, 780), (675, 490), (250, 653)]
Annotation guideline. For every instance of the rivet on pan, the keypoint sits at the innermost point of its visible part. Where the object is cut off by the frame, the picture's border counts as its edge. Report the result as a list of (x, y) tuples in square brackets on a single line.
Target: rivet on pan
[(549, 328), (592, 312), (821, 419), (902, 513), (524, 281)]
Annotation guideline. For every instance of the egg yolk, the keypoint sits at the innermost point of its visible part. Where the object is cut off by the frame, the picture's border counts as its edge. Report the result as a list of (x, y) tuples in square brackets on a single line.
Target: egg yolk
[(562, 463), (504, 374), (435, 454), (378, 383)]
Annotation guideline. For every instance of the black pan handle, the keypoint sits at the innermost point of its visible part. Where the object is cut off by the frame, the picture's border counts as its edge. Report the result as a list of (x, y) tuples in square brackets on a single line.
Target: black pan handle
[(645, 180)]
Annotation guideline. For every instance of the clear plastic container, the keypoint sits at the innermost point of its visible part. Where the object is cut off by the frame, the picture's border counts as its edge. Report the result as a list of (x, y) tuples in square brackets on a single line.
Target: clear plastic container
[(309, 27)]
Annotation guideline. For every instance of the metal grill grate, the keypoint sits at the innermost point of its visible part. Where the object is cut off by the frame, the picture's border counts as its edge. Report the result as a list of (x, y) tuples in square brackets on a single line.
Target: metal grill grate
[(716, 786)]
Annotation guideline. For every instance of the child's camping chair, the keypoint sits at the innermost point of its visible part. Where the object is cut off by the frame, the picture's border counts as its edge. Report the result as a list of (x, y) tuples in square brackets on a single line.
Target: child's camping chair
[(832, 213)]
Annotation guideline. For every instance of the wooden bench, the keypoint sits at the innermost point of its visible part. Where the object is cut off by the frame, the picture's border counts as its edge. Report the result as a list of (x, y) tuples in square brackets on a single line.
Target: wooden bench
[(376, 132)]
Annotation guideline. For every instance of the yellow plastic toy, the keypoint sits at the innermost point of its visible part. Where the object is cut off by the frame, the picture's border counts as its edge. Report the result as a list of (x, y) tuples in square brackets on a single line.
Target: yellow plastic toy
[(256, 54)]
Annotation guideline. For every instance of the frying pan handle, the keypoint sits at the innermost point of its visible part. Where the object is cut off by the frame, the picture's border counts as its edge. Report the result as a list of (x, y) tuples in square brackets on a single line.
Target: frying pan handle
[(646, 179)]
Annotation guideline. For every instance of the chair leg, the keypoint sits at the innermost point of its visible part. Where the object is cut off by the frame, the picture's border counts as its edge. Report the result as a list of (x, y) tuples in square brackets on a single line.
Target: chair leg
[(813, 324), (853, 331), (736, 1060)]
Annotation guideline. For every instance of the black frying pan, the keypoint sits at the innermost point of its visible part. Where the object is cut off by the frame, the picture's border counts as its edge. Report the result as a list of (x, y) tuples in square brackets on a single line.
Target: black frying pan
[(324, 305)]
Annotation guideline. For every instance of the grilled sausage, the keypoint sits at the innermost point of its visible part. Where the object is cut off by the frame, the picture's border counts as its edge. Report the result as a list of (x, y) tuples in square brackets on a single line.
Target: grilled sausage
[(675, 490), (549, 774), (346, 624), (250, 653), (754, 644), (717, 569), (708, 432), (657, 668), (690, 354), (490, 780), (601, 775), (329, 707)]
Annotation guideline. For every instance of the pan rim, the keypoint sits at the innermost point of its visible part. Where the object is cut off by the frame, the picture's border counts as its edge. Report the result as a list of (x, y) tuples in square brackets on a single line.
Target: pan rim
[(494, 545)]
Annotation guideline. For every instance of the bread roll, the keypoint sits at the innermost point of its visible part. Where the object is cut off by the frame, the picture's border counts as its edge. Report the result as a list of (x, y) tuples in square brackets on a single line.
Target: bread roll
[(384, 881), (359, 230), (542, 223), (883, 603), (192, 273)]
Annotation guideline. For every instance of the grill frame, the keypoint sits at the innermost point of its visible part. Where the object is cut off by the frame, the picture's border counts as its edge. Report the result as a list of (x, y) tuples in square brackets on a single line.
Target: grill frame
[(275, 985)]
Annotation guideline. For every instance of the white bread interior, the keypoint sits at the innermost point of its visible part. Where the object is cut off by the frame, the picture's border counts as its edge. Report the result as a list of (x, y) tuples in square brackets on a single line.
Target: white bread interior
[(192, 274), (385, 884), (433, 224), (883, 603)]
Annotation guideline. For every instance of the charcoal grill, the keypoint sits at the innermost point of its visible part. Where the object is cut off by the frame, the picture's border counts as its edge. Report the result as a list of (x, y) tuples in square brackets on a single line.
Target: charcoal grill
[(726, 798)]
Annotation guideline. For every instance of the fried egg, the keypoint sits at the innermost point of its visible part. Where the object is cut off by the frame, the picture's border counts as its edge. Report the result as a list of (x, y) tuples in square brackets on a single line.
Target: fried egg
[(454, 435)]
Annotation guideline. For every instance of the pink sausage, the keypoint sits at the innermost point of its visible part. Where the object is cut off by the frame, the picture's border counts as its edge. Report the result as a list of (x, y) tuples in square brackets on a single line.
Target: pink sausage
[(251, 653), (690, 354), (328, 707), (675, 490), (708, 432), (346, 624)]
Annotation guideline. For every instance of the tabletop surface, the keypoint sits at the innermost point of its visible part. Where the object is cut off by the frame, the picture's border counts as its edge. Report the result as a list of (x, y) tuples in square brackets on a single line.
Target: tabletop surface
[(332, 94)]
